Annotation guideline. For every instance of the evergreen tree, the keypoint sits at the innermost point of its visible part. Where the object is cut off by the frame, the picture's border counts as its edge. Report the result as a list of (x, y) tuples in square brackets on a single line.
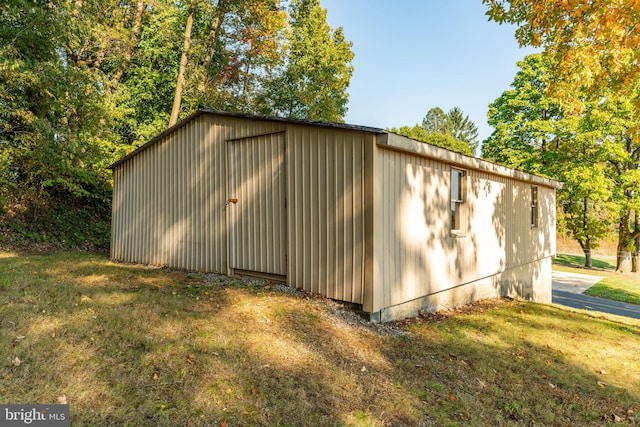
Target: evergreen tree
[(452, 130)]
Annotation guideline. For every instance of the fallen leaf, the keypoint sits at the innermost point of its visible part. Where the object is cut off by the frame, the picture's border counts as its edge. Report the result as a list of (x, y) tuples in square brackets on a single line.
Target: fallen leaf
[(452, 398), (254, 391), (617, 419), (9, 376), (62, 399), (548, 363), (223, 423), (363, 369), (156, 377), (601, 384), (16, 361), (552, 385), (20, 337)]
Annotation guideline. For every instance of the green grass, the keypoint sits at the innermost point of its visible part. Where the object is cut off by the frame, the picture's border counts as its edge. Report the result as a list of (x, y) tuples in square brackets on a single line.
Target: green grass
[(577, 261), (614, 286), (128, 345), (622, 288)]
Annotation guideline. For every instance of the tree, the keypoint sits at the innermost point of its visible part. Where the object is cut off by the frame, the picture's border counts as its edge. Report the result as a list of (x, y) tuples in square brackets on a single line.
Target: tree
[(51, 119), (443, 140), (533, 132), (82, 82), (615, 122), (593, 49), (593, 44), (463, 129), (528, 124), (177, 98), (317, 70), (436, 121), (452, 130)]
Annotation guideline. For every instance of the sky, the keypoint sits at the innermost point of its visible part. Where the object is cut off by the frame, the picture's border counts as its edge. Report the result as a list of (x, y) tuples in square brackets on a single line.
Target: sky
[(413, 55)]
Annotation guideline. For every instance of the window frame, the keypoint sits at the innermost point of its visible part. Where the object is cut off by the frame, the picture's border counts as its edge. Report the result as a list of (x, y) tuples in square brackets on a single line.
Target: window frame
[(535, 206), (458, 206)]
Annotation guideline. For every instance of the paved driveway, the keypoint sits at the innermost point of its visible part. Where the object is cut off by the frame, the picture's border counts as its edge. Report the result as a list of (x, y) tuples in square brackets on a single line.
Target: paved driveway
[(568, 289), (573, 282)]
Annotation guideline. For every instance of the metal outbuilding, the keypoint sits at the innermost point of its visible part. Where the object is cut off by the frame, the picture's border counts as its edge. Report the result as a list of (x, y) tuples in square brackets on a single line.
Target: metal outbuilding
[(353, 213)]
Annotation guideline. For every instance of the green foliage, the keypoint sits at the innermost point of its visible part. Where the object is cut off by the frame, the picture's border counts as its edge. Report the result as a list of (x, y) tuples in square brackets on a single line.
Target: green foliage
[(595, 153), (528, 124), (84, 82), (451, 130), (51, 125), (317, 69), (593, 44), (462, 128)]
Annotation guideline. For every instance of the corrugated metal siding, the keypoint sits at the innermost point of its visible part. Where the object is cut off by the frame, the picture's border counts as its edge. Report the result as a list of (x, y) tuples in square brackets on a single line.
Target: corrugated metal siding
[(258, 220), (169, 200), (417, 255), (325, 170), (169, 208)]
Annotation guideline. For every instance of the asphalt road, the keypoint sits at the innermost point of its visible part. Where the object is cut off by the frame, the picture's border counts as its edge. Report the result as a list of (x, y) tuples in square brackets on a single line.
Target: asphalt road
[(568, 289), (585, 302)]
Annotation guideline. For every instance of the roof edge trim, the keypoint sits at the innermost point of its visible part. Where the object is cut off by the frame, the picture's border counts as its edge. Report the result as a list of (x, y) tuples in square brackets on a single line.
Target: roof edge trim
[(402, 143)]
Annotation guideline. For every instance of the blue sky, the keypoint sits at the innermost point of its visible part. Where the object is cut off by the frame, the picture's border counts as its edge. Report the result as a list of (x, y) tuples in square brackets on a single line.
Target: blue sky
[(412, 55)]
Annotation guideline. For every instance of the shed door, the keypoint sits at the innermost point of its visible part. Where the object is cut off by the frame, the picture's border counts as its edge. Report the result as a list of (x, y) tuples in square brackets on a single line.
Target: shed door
[(258, 239)]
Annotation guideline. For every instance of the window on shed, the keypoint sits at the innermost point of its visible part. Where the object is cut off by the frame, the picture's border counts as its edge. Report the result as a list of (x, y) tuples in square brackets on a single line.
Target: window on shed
[(458, 196), (534, 206)]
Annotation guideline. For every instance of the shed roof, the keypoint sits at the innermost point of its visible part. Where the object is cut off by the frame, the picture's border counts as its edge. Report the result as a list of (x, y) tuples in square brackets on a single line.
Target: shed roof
[(390, 140), (205, 110)]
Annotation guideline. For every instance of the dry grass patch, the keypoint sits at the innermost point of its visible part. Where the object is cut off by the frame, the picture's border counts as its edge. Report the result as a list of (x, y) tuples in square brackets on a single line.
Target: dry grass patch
[(130, 345)]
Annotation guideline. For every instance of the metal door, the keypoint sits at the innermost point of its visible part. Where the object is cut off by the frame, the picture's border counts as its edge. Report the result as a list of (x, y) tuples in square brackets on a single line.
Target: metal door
[(257, 203)]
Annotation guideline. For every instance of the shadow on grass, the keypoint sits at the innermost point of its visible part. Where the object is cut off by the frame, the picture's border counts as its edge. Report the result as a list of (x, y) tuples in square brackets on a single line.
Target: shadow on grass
[(131, 345), (577, 261)]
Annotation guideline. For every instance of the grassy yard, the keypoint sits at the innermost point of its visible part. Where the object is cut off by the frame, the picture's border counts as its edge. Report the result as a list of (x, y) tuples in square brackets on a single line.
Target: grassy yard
[(127, 345), (614, 286)]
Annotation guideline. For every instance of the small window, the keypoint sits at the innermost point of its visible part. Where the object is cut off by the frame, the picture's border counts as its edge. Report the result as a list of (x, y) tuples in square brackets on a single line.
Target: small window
[(458, 189), (534, 206)]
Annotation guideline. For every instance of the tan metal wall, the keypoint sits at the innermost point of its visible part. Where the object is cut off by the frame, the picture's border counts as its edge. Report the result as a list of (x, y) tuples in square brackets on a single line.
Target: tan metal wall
[(170, 203), (325, 173), (169, 200), (415, 252)]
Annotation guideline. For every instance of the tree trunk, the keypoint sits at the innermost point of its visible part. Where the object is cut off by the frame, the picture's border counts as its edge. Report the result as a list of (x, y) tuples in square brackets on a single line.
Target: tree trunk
[(587, 254), (623, 236), (130, 49), (636, 232), (177, 99), (214, 34)]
